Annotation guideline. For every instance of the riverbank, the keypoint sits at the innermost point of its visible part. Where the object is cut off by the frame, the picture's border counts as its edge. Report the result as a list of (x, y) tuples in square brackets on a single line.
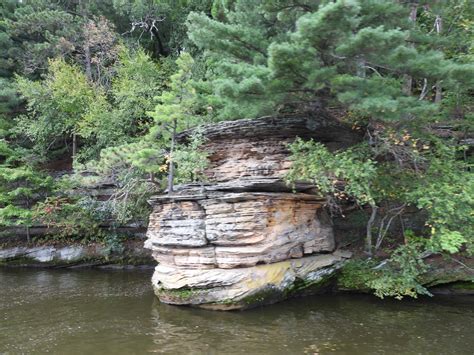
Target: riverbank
[(454, 276), (444, 275), (111, 253)]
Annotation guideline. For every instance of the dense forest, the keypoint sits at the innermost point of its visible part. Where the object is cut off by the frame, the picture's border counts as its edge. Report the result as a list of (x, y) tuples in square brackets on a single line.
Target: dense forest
[(98, 90)]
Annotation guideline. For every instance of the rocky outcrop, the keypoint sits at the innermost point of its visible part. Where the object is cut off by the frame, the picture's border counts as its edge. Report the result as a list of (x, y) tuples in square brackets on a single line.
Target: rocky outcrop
[(242, 288), (130, 253), (246, 238), (97, 189)]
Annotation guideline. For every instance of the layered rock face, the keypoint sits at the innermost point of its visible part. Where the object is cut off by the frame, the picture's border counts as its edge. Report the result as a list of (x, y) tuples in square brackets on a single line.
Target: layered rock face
[(231, 230), (252, 154), (244, 238)]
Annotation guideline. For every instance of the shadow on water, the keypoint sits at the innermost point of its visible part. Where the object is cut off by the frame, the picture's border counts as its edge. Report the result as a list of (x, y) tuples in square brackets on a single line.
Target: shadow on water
[(98, 312)]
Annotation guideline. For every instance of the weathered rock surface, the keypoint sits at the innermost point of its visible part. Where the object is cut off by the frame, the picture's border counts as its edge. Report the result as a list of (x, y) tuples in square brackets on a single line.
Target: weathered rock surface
[(76, 255), (229, 230), (252, 154), (241, 288), (246, 238)]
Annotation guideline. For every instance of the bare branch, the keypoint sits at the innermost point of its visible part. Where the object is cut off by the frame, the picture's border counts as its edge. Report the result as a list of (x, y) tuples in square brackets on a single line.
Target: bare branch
[(383, 229), (147, 24)]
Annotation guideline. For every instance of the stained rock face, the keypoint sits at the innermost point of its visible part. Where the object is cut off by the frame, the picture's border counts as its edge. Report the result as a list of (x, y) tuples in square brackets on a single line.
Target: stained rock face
[(244, 238), (242, 288)]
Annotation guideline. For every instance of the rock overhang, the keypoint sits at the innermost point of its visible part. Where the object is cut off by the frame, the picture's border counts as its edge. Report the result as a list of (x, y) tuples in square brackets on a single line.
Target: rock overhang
[(253, 154)]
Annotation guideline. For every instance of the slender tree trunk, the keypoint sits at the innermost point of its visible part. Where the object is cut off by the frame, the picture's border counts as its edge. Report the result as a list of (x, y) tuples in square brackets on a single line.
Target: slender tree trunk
[(159, 47), (170, 159), (74, 145), (87, 55), (370, 223), (408, 80), (361, 72), (439, 90), (28, 238), (87, 59)]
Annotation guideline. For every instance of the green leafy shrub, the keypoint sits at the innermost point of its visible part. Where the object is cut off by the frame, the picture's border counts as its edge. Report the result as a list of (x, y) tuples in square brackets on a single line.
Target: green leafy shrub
[(398, 277), (113, 244), (356, 274), (67, 218)]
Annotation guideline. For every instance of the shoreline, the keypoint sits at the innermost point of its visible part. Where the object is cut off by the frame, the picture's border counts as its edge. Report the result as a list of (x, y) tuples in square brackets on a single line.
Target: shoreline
[(133, 257)]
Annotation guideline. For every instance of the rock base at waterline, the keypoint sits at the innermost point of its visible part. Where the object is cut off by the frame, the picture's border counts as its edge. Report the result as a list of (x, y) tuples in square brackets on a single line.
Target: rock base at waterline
[(242, 288)]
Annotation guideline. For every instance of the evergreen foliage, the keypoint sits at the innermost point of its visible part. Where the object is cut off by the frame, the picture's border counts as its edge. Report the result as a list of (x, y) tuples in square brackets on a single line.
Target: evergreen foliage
[(392, 75), (175, 111), (355, 52), (20, 188)]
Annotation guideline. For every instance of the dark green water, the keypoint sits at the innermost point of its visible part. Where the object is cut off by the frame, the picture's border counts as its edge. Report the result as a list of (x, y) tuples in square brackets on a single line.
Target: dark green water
[(112, 312)]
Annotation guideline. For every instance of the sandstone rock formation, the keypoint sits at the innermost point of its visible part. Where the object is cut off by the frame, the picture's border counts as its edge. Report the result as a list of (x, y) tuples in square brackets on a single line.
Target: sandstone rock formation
[(245, 238), (252, 154)]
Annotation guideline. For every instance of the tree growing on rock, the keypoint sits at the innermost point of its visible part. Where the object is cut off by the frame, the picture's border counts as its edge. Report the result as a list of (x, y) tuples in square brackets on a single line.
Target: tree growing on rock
[(175, 111)]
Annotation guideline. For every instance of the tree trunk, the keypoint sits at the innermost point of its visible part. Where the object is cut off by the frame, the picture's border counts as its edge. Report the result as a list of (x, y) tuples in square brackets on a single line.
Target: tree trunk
[(360, 63), (408, 80), (87, 59), (28, 238), (86, 47), (170, 159), (160, 49), (439, 90), (74, 146), (87, 55), (370, 223)]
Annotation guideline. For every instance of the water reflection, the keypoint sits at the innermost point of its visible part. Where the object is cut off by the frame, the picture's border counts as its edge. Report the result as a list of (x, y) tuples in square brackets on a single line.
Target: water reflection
[(324, 324), (99, 312)]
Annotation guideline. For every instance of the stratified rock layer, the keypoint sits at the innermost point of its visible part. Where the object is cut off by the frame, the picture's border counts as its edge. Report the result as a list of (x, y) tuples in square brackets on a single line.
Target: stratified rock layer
[(231, 230), (244, 238), (241, 288), (253, 155)]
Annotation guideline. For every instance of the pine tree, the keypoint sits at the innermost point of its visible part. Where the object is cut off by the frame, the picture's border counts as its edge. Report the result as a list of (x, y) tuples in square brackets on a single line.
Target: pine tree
[(21, 186), (175, 109), (355, 53), (366, 57), (38, 31)]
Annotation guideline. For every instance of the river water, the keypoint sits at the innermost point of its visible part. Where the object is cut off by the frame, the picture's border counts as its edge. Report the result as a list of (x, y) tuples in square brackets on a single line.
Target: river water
[(115, 312)]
